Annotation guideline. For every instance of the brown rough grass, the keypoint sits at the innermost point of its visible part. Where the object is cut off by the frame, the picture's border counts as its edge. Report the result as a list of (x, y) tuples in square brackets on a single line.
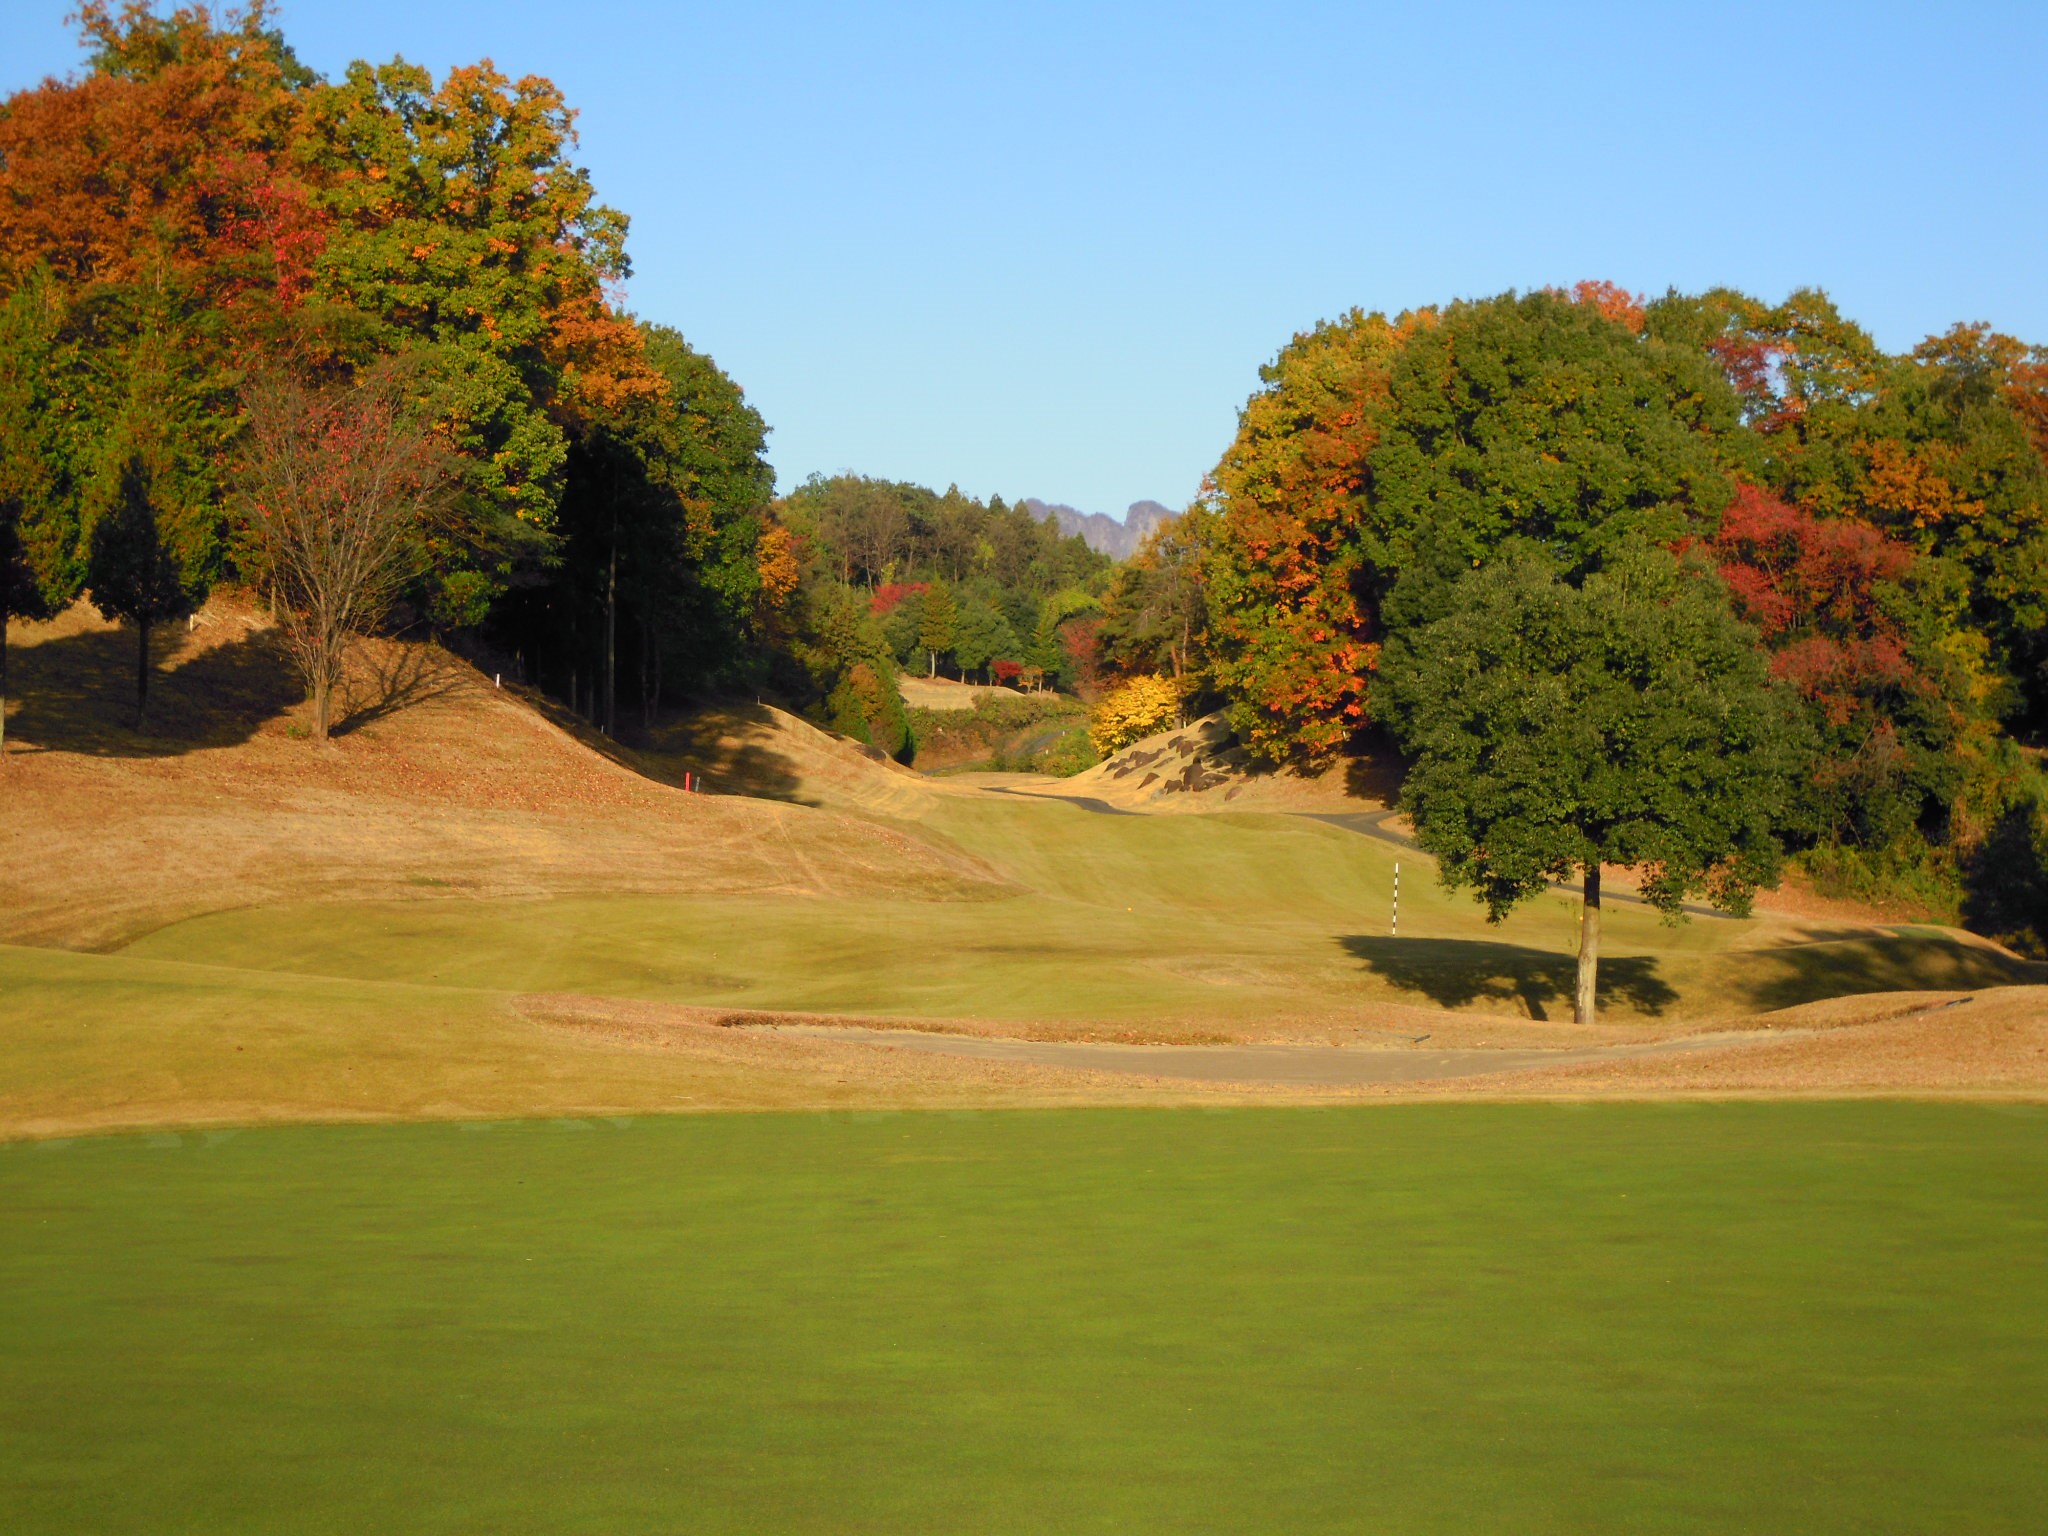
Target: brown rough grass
[(439, 783)]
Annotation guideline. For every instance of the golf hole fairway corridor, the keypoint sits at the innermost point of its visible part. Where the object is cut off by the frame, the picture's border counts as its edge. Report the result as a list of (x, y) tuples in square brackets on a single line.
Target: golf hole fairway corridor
[(1701, 1317)]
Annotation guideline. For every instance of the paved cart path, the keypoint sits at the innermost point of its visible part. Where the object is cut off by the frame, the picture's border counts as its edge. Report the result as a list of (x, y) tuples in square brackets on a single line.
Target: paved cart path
[(1322, 1066)]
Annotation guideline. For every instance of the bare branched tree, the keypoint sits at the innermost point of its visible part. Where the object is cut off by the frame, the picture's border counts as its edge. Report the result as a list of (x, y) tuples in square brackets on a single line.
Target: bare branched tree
[(340, 484)]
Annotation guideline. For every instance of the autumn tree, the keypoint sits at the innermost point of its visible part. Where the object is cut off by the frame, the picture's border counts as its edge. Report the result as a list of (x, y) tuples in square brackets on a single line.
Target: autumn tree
[(1379, 445), (1058, 614), (1898, 695), (1938, 450), (1135, 708), (199, 192), (1293, 622), (1558, 727), (135, 570), (341, 487)]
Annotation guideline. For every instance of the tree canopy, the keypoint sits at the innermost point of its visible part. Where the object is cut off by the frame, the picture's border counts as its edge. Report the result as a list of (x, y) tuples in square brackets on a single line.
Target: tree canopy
[(1628, 719), (198, 209), (1878, 519)]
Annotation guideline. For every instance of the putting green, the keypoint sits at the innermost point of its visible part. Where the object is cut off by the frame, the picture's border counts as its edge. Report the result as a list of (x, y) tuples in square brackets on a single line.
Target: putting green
[(1775, 1317)]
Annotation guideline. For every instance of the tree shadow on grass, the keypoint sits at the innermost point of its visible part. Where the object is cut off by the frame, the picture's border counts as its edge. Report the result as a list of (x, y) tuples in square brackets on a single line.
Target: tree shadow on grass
[(1898, 960), (712, 748), (1455, 973), (75, 692), (395, 678)]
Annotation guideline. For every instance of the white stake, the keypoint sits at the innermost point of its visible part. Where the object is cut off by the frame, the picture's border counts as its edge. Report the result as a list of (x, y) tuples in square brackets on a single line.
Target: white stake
[(1395, 931)]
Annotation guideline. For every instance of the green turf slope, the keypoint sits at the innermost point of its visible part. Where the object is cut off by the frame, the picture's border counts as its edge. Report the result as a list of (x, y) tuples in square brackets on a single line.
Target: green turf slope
[(1794, 1317), (1118, 920)]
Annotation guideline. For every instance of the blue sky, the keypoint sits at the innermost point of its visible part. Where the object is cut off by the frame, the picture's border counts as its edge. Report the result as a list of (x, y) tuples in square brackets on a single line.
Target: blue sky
[(1043, 249)]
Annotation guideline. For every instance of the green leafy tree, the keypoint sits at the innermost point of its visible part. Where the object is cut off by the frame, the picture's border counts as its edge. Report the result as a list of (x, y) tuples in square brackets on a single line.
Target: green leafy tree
[(1062, 608), (39, 569), (1155, 616), (1557, 728), (135, 573), (981, 635), (941, 622), (902, 626), (1537, 417), (1431, 440)]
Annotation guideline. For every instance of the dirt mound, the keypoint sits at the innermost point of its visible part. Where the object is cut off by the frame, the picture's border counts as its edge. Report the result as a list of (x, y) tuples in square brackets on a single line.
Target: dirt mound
[(1191, 759), (438, 782), (1201, 766)]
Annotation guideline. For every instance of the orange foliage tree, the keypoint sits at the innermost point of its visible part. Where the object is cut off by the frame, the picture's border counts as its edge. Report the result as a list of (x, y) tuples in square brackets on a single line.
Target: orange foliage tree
[(1292, 632)]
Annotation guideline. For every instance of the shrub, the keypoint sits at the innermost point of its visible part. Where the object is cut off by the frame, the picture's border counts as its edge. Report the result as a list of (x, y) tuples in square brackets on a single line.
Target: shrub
[(1134, 709)]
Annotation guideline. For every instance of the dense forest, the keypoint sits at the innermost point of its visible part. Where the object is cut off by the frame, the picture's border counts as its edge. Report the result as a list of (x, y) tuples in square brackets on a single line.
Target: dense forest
[(1876, 523), (199, 215), (222, 275)]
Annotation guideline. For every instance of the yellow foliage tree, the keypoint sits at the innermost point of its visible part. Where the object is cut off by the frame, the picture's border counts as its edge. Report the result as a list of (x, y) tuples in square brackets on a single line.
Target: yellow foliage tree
[(1133, 709)]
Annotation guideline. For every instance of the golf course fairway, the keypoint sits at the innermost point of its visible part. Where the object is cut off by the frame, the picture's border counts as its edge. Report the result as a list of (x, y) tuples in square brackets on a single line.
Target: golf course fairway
[(1813, 1317)]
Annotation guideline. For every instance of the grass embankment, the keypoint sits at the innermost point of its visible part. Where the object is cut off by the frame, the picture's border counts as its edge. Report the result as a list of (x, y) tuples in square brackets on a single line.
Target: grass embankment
[(1767, 1317)]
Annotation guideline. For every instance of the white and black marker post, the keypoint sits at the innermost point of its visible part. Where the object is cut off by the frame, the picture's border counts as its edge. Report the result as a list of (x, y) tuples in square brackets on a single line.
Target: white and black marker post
[(1395, 931)]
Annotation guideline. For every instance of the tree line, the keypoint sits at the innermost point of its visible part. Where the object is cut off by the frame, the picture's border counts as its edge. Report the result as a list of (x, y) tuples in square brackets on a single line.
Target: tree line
[(895, 577), (1872, 529), (222, 277)]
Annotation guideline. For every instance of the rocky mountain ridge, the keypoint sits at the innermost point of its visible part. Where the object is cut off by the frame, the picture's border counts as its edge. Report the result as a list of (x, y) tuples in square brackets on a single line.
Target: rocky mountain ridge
[(1117, 539)]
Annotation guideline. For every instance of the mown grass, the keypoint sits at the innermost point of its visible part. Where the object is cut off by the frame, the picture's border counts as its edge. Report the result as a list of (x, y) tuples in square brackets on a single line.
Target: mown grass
[(1790, 1317), (1223, 920)]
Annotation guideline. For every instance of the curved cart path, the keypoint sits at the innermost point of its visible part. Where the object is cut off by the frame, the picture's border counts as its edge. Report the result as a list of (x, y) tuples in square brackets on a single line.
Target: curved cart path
[(1323, 1066)]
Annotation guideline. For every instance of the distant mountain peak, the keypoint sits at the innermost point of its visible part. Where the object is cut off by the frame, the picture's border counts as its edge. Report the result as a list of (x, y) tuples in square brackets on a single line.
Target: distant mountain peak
[(1119, 539)]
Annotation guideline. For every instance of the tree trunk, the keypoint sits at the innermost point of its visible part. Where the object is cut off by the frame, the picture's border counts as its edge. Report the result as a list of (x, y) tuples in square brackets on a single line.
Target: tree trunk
[(141, 670), (322, 694), (610, 710), (1589, 946), (646, 672), (3, 684)]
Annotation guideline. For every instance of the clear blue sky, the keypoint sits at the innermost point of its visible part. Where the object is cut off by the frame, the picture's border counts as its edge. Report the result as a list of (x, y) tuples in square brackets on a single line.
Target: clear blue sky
[(1043, 249)]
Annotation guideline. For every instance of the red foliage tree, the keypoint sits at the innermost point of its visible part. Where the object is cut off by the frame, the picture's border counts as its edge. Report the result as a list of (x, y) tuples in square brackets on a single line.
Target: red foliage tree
[(1082, 642), (891, 593), (1848, 619), (173, 157), (1809, 584)]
